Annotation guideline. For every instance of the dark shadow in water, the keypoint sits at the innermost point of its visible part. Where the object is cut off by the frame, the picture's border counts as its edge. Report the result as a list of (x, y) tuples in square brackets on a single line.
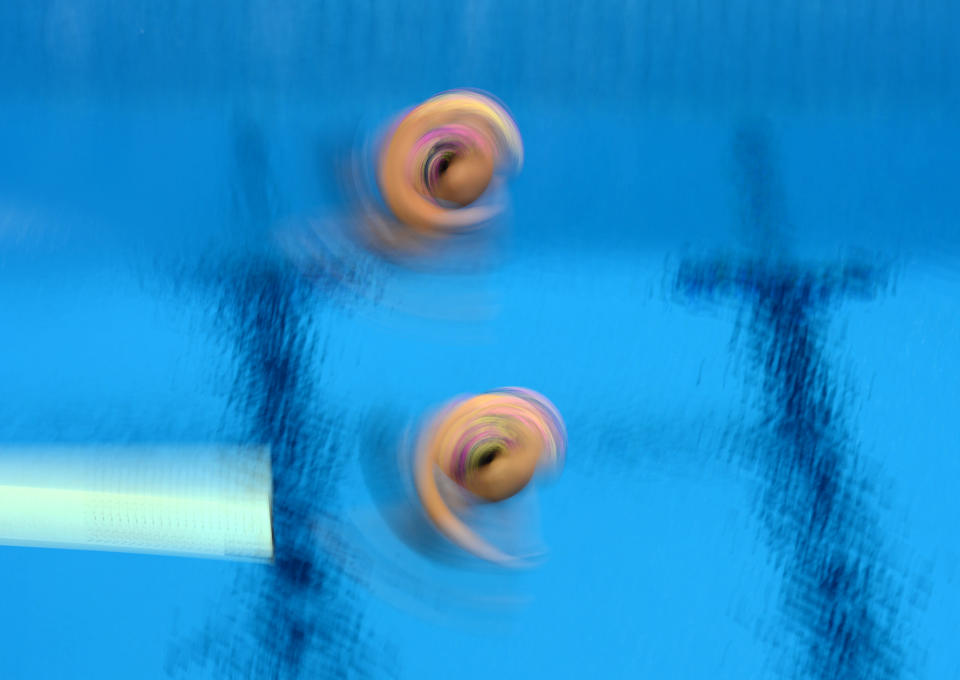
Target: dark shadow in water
[(298, 617), (841, 599)]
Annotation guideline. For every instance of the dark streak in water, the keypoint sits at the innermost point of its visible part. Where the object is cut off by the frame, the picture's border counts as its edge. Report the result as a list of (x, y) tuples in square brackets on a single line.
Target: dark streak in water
[(300, 617), (840, 598)]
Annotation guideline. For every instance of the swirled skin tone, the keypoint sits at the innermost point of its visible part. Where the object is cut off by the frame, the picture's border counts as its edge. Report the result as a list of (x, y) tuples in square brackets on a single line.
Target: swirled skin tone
[(442, 156), (491, 445)]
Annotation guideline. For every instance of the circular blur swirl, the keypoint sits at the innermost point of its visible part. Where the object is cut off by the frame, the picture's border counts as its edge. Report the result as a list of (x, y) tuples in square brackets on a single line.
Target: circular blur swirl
[(490, 445), (440, 159)]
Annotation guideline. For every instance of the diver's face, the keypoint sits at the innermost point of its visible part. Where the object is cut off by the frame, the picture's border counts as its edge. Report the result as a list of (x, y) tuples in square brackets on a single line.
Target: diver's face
[(504, 469), (465, 177)]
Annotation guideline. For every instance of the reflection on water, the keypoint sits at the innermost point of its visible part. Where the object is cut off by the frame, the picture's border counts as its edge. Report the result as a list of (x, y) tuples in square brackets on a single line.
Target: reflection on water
[(840, 596), (299, 618)]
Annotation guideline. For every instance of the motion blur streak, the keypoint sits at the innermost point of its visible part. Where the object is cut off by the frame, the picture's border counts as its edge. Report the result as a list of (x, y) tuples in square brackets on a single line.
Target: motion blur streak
[(439, 158), (422, 192), (489, 445), (199, 501)]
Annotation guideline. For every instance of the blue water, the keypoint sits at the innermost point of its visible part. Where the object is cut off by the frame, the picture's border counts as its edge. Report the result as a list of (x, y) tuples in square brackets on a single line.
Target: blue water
[(732, 264)]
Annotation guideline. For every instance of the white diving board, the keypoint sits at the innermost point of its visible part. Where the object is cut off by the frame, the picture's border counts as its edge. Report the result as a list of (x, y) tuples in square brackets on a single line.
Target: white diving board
[(190, 501)]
